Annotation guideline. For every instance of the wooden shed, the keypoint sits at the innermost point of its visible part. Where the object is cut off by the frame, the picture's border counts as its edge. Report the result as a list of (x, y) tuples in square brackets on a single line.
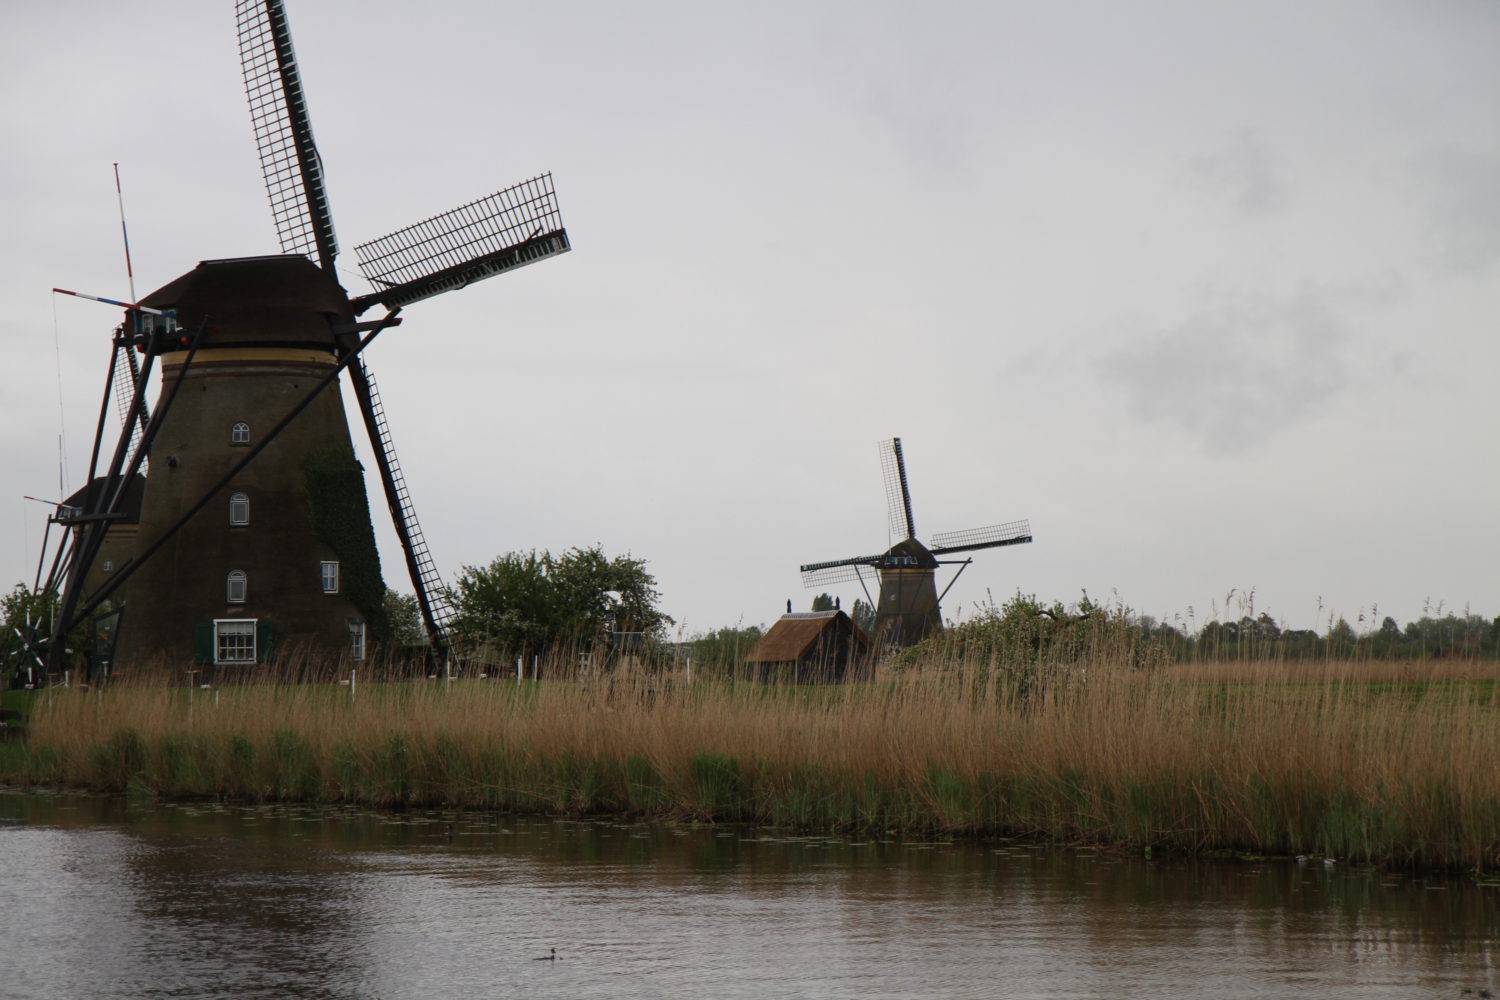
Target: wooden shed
[(813, 647)]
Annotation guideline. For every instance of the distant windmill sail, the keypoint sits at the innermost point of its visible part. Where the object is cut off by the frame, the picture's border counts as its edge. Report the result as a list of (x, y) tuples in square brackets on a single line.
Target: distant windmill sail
[(1011, 533), (841, 571), (897, 494)]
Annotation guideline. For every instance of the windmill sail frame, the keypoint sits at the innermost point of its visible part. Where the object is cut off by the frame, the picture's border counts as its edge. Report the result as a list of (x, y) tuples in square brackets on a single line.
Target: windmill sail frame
[(897, 493), (289, 158), (500, 232), (989, 537)]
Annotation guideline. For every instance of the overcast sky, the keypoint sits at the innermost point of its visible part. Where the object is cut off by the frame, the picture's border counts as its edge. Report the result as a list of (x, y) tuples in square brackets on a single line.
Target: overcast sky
[(1207, 291)]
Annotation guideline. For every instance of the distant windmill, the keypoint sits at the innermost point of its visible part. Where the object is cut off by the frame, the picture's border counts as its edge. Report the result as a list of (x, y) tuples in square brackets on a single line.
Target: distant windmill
[(907, 610), (254, 524)]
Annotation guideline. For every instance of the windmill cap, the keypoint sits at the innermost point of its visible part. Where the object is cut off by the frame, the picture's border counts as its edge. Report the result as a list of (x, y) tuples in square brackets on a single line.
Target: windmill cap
[(284, 300), (915, 550)]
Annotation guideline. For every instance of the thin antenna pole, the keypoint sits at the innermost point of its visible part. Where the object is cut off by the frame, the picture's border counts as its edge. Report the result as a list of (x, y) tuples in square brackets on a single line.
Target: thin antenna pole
[(62, 417), (124, 233)]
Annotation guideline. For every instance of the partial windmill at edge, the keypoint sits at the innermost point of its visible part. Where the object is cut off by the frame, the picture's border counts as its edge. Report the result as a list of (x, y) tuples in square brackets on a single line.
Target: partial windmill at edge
[(260, 341), (907, 609)]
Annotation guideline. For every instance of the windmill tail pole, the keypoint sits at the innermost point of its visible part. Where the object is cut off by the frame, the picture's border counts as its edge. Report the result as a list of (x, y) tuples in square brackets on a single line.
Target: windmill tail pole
[(109, 380), (961, 567), (111, 495), (401, 516)]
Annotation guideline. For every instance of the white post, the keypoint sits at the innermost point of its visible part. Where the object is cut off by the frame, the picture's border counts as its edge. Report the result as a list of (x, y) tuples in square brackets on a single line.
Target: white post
[(518, 668), (352, 677)]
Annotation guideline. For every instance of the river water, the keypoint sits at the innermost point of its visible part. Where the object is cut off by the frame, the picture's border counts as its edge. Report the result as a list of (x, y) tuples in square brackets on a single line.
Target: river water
[(105, 898)]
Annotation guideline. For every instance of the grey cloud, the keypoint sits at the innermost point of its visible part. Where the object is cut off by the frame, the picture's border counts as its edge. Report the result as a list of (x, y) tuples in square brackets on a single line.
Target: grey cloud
[(1242, 173), (1237, 370), (1461, 189)]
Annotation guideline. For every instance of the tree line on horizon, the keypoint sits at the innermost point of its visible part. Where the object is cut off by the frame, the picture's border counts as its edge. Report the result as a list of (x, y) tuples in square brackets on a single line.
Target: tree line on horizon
[(1445, 636), (531, 603)]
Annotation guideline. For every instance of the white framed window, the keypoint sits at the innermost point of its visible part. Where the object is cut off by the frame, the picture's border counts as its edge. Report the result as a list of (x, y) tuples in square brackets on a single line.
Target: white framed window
[(356, 639), (236, 586), (330, 576), (234, 640), (239, 433), (239, 508)]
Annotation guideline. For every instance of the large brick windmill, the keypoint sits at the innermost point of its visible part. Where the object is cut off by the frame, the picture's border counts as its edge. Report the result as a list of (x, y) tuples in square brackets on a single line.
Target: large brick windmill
[(253, 528), (907, 610)]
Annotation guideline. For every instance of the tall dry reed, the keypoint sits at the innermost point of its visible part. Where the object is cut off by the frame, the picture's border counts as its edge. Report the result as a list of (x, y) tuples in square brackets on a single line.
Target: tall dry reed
[(1341, 766)]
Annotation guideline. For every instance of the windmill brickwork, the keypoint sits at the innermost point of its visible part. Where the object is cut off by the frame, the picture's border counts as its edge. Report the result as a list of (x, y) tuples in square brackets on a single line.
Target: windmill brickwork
[(250, 573)]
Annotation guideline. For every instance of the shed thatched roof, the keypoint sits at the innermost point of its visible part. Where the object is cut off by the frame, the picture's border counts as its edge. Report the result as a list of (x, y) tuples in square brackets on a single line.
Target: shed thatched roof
[(794, 634)]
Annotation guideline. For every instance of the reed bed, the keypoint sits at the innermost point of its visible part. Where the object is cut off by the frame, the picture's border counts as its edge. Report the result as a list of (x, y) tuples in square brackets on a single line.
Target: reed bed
[(1341, 765)]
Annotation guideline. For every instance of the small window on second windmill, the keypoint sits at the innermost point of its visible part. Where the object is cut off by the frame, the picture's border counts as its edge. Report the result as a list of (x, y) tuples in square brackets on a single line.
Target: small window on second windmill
[(236, 586), (239, 508), (330, 576), (239, 433)]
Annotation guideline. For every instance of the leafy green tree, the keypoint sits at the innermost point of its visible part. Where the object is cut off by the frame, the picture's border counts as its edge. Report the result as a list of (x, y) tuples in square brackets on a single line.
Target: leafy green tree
[(405, 617), (864, 615), (1026, 639), (719, 653), (1341, 638), (528, 602), (1301, 644), (823, 602), (1448, 636), (26, 619)]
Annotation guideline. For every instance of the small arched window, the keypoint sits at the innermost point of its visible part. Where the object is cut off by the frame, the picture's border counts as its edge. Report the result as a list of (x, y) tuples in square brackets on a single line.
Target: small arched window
[(239, 508), (236, 586), (239, 433)]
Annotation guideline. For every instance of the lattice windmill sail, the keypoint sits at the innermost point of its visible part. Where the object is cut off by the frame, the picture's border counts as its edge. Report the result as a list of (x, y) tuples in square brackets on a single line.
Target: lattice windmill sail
[(498, 233), (907, 609), (289, 158), (260, 414)]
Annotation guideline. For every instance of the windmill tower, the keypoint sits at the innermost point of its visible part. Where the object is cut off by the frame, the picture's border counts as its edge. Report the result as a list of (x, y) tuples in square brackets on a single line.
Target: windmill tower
[(908, 610), (254, 530)]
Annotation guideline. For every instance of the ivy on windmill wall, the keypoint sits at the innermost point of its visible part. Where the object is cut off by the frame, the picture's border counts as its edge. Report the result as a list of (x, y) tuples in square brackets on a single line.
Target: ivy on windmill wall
[(341, 518)]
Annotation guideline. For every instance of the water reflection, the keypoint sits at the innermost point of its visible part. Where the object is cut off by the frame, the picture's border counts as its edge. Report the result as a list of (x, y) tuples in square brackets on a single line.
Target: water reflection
[(105, 899)]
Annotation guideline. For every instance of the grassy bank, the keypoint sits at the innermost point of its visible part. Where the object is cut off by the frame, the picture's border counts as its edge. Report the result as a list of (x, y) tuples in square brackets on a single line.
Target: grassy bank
[(1394, 769)]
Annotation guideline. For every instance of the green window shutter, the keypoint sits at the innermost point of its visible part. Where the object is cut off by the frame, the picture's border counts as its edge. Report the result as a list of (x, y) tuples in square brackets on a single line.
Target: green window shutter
[(203, 642), (263, 641)]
